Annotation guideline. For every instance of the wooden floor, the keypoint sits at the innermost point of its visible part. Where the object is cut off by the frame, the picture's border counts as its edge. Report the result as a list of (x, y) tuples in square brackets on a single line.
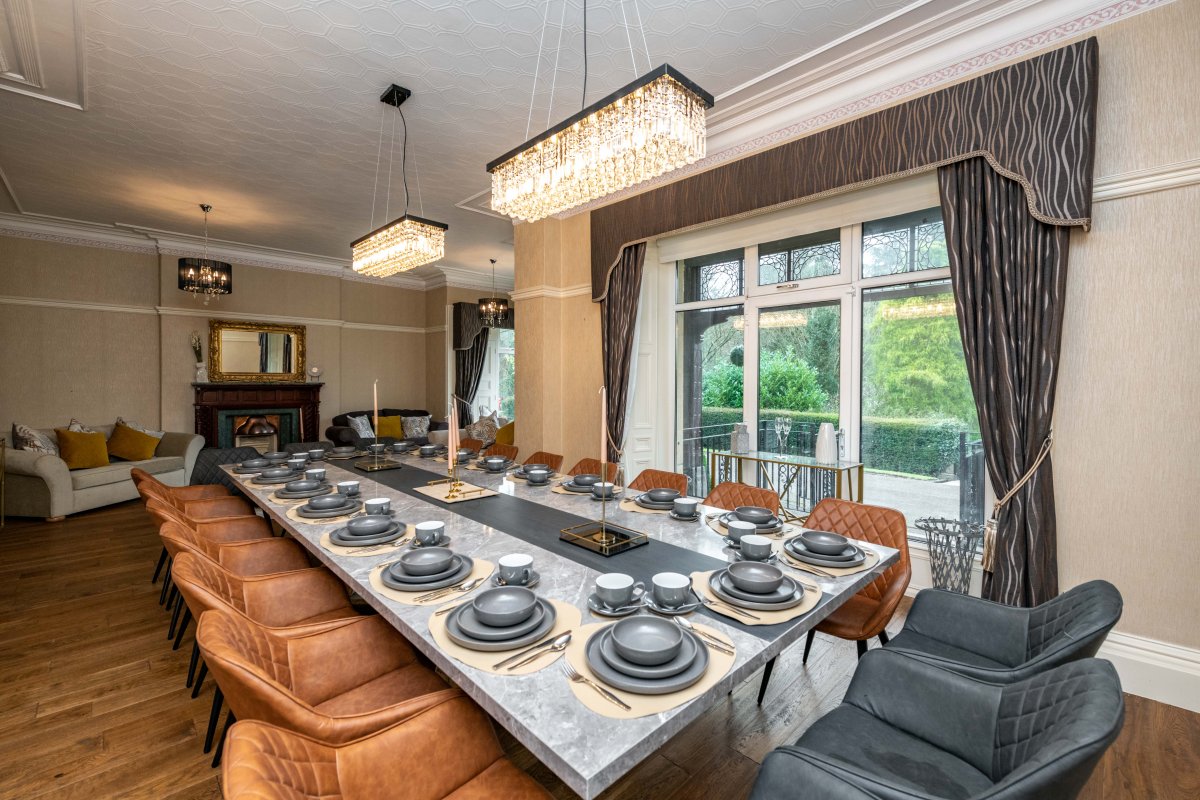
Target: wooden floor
[(94, 706)]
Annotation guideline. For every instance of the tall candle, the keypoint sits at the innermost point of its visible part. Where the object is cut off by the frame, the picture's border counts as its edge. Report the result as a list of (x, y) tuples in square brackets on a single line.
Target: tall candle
[(453, 448), (604, 426), (376, 396)]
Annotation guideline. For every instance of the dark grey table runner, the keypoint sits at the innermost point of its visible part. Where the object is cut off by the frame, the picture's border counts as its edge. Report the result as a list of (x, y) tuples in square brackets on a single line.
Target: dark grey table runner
[(540, 525)]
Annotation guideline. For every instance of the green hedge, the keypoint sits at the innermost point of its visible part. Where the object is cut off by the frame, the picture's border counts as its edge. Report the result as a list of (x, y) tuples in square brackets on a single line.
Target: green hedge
[(916, 446)]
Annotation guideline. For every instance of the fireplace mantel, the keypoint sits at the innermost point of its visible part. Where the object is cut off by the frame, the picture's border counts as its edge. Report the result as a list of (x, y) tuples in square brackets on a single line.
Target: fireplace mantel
[(213, 401)]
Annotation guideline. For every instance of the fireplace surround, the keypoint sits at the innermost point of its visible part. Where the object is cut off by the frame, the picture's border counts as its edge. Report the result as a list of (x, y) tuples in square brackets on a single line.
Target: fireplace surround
[(293, 409)]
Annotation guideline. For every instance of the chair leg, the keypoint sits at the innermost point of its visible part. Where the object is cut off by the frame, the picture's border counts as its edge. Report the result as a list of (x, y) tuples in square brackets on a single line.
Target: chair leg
[(162, 596), (187, 617), (862, 647), (766, 678), (812, 634), (191, 680), (175, 614), (172, 594), (200, 681), (883, 637), (229, 720), (213, 717), (162, 560)]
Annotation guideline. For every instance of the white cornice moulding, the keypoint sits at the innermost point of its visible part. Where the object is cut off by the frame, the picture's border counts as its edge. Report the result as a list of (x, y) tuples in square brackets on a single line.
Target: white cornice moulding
[(544, 290), (169, 311), (371, 326), (1144, 181), (76, 305), (73, 232), (460, 278)]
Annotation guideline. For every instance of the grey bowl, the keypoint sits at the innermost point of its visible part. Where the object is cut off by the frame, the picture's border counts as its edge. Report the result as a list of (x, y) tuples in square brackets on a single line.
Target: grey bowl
[(495, 466), (345, 450), (824, 542), (254, 462), (278, 472), (648, 641), (328, 501), (305, 485), (755, 514), (537, 477), (586, 479), (527, 467), (426, 561), (428, 449), (504, 606), (277, 455), (755, 577), (662, 495), (369, 525)]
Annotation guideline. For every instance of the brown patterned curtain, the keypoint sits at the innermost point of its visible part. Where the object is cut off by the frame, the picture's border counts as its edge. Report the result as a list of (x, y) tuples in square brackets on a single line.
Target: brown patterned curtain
[(618, 315), (1009, 272), (468, 369)]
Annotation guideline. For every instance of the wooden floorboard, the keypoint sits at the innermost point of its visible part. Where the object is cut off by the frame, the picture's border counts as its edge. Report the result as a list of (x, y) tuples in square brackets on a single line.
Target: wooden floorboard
[(94, 703)]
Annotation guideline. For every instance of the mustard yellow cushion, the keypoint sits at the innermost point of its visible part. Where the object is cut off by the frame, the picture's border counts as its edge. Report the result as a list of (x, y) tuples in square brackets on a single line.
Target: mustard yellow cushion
[(81, 450), (506, 434), (131, 444), (390, 426)]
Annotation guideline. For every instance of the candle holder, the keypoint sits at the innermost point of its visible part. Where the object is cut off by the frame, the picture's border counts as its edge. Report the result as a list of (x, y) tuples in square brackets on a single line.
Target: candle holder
[(600, 535)]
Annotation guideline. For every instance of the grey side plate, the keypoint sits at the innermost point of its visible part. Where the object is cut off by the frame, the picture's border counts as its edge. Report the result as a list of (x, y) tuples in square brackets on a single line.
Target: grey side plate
[(459, 636), (402, 585), (715, 585), (456, 562), (342, 540), (643, 685), (283, 494), (470, 625), (608, 651), (800, 553), (783, 594)]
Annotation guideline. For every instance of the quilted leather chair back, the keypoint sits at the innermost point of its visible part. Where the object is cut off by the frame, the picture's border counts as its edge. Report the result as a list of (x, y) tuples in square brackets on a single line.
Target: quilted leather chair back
[(229, 637), (179, 538), (730, 495), (874, 524), (507, 450), (660, 479), (1074, 624), (474, 445), (205, 586), (551, 460), (164, 512), (592, 466)]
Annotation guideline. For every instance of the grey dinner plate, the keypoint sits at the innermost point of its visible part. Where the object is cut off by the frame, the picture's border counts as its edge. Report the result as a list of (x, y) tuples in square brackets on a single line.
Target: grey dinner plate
[(608, 651), (459, 636), (341, 539), (849, 554), (571, 487), (618, 680), (783, 594), (470, 625), (250, 470), (715, 585), (645, 502), (773, 525), (798, 551), (284, 494), (403, 583), (262, 481), (326, 513), (397, 571)]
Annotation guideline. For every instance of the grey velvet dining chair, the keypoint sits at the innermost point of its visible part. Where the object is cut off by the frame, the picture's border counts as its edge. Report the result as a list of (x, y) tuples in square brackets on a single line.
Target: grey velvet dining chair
[(1001, 644), (908, 730)]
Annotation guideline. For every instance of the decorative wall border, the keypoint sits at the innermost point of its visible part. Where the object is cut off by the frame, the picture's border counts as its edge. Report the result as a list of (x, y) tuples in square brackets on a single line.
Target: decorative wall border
[(545, 290), (1144, 181)]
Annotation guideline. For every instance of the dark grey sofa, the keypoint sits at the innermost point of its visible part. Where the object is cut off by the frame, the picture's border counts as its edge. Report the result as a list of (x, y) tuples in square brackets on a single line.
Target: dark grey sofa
[(340, 432)]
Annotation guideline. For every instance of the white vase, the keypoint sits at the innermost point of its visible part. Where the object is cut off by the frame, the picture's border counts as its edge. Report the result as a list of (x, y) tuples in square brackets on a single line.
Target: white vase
[(201, 372), (826, 449), (739, 440)]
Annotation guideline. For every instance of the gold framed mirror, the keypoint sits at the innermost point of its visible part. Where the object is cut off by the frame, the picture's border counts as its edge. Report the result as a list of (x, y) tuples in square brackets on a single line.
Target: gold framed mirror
[(261, 352)]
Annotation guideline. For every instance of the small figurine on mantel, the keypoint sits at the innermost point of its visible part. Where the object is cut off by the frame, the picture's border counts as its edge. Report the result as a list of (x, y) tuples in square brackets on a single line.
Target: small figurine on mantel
[(198, 352)]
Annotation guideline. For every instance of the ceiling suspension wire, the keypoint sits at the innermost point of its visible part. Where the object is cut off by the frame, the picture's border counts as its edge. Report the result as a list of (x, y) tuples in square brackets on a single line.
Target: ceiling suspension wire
[(629, 40), (638, 13), (378, 158), (404, 157), (536, 70), (583, 102), (387, 208), (417, 172), (557, 52)]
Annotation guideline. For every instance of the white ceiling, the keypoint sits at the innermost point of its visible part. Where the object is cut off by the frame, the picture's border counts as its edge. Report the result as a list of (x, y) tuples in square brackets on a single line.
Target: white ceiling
[(268, 109)]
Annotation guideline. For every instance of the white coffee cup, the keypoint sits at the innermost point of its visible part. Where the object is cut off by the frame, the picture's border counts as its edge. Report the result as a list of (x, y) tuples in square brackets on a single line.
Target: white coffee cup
[(756, 547), (617, 590), (348, 488), (430, 532), (378, 505), (516, 569)]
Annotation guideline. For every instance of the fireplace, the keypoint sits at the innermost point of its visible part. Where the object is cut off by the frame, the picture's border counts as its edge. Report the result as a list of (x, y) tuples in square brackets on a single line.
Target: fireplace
[(258, 431), (223, 411)]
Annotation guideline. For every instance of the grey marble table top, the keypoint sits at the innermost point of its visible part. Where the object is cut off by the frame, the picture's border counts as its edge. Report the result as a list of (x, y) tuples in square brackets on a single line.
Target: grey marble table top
[(587, 751)]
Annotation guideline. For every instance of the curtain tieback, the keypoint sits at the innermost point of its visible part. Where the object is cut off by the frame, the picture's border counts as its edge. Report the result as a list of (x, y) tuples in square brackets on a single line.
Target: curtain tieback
[(989, 529)]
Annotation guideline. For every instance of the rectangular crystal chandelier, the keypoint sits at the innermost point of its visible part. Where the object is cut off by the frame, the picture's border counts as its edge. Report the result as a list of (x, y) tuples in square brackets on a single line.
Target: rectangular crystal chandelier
[(401, 245), (652, 126)]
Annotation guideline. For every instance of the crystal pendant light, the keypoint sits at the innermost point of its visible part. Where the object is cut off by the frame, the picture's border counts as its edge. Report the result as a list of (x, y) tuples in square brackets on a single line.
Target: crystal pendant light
[(645, 129), (493, 311), (409, 241), (205, 277)]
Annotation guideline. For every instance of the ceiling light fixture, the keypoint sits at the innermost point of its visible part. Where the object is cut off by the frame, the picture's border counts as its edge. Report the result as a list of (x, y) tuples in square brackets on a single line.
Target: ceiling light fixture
[(409, 241), (647, 128), (493, 311), (205, 277)]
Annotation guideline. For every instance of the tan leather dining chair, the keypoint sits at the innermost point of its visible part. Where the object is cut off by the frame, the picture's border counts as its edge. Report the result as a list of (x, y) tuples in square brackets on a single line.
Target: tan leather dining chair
[(730, 494), (551, 460), (474, 445), (592, 466), (336, 684), (507, 450), (865, 614), (150, 487), (446, 751), (660, 479)]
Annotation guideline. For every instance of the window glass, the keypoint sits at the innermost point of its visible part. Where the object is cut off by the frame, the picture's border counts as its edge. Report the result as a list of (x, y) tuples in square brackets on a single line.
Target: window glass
[(710, 277), (709, 384), (799, 375), (905, 243), (813, 255)]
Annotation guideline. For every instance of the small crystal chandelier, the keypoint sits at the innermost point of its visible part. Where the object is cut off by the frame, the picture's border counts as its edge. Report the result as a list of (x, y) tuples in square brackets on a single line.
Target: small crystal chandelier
[(493, 311), (205, 277), (645, 129), (406, 242)]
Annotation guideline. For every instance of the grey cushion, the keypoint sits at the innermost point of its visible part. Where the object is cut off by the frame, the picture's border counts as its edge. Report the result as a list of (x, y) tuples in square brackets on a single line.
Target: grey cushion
[(118, 471)]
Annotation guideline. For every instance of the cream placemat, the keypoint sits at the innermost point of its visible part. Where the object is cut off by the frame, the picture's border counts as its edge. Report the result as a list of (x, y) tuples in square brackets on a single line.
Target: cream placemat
[(374, 550), (482, 569), (868, 563), (628, 505), (812, 596), (467, 491), (292, 515), (641, 705), (567, 619), (715, 523)]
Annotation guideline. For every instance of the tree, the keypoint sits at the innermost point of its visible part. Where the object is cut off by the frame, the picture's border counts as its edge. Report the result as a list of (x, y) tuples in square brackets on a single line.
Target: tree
[(787, 382)]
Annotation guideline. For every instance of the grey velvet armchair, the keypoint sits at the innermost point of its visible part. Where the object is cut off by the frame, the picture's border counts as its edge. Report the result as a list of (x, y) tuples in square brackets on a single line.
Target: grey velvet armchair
[(908, 730), (1001, 644)]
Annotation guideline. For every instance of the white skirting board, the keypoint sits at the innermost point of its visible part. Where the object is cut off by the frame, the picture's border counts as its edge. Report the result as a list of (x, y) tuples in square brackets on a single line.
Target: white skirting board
[(1148, 668)]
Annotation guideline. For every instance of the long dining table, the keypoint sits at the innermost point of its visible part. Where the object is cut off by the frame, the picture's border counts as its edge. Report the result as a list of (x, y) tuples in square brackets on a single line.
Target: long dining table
[(589, 752)]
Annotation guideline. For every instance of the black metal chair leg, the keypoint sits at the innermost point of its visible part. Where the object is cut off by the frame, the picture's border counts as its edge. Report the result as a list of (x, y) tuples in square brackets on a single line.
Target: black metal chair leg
[(162, 560), (187, 617), (175, 618), (172, 596), (766, 678), (862, 647), (883, 637), (229, 720), (213, 717), (200, 681), (812, 634), (192, 664), (162, 596)]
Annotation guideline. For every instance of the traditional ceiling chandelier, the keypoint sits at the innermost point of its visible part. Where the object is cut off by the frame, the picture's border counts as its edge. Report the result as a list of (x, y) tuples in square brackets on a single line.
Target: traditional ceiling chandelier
[(406, 242), (493, 311), (645, 129), (205, 277)]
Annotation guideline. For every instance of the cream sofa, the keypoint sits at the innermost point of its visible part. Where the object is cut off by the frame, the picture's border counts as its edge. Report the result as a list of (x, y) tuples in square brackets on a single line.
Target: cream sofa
[(40, 485)]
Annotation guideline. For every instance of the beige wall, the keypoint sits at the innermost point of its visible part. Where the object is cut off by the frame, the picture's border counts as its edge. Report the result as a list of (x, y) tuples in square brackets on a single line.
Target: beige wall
[(437, 341)]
